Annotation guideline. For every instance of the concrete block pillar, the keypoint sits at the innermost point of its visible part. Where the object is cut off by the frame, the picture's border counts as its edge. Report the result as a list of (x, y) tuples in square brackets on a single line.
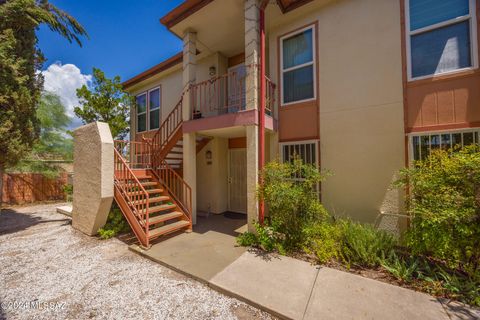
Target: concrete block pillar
[(189, 139), (252, 59), (93, 177)]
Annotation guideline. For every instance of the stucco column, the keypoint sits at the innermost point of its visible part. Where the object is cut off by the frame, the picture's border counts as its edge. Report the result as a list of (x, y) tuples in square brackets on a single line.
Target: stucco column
[(93, 177), (252, 56), (189, 139)]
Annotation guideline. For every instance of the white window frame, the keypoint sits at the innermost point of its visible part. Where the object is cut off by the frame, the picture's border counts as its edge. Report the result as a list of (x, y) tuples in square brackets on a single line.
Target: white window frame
[(473, 39), (145, 93), (300, 142), (433, 133), (313, 63), (159, 107)]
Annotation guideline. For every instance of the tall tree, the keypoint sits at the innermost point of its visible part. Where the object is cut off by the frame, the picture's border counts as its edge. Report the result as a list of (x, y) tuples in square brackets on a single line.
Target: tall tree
[(20, 83), (54, 142), (104, 100)]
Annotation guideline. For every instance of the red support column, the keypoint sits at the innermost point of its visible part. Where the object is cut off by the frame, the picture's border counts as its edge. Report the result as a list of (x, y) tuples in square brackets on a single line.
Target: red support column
[(261, 133)]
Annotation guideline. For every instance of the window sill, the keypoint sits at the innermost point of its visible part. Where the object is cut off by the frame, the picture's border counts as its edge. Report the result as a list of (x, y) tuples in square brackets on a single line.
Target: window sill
[(300, 104), (468, 72)]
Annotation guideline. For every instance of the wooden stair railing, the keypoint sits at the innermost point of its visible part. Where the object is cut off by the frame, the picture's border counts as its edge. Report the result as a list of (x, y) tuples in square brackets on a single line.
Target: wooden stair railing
[(131, 197), (166, 136), (176, 186)]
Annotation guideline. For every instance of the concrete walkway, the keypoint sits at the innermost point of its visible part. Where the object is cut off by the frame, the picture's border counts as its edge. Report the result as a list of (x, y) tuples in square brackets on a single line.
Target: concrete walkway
[(290, 288)]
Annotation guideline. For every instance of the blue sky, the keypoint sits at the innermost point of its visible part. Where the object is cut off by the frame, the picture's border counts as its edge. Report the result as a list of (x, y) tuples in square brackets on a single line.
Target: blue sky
[(125, 38)]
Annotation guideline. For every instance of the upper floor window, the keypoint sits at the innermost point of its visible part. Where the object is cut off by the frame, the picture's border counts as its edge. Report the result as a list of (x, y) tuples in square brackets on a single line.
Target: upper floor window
[(297, 63), (154, 108), (441, 36), (422, 144), (148, 110), (142, 112)]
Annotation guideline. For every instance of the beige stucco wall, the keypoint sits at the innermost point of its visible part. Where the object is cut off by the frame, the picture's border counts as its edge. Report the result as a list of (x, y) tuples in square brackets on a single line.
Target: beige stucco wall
[(361, 108), (171, 83), (212, 187)]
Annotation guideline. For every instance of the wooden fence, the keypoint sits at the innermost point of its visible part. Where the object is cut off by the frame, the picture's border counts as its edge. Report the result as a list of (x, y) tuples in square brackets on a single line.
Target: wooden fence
[(20, 188)]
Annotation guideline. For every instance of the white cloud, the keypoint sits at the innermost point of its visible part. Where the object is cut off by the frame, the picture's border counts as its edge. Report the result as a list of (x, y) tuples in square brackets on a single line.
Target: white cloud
[(64, 80)]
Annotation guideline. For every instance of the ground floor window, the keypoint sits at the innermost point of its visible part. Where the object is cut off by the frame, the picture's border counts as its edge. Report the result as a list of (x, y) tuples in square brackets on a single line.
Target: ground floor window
[(305, 150), (421, 145)]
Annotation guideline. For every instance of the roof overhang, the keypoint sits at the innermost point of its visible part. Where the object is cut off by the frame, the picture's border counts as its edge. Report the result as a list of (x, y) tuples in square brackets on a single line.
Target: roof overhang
[(189, 7), (164, 65)]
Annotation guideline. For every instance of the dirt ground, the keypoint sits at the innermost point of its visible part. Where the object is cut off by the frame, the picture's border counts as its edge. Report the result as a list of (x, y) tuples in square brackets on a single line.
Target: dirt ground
[(50, 271)]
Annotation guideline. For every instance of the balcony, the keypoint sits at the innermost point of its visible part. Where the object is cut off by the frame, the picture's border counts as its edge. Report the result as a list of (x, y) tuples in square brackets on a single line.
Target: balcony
[(221, 102)]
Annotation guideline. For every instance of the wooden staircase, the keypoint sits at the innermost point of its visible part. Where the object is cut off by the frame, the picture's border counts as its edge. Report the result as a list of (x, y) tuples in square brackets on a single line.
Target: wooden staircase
[(149, 189)]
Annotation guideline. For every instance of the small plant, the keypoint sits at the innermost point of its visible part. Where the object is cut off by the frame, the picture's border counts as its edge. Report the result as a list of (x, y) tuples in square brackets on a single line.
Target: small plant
[(116, 224), (247, 239), (363, 245), (404, 270), (68, 189)]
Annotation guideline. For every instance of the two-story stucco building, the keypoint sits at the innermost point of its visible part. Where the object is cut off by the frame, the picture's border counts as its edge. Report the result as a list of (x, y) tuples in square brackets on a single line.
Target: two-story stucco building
[(356, 87)]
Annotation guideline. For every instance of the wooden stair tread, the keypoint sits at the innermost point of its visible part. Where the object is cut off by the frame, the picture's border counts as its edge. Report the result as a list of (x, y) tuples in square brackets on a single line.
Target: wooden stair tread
[(154, 199), (164, 217), (143, 177), (149, 183), (168, 228), (162, 207), (149, 191)]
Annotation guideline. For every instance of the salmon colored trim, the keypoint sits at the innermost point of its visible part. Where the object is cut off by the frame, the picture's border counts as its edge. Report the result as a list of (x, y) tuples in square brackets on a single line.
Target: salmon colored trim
[(287, 6), (167, 64), (300, 140), (316, 101), (242, 118), (182, 12), (236, 60), (444, 127), (237, 143)]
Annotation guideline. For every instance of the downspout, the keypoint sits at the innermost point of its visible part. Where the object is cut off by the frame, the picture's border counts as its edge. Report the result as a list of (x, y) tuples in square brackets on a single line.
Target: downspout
[(261, 134)]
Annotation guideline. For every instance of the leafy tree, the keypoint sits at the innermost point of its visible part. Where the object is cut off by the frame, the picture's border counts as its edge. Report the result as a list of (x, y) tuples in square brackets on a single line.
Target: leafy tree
[(105, 101), (54, 142), (20, 83)]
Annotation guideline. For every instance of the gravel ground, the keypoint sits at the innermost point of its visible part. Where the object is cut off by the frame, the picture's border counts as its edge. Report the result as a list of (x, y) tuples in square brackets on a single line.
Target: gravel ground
[(50, 271)]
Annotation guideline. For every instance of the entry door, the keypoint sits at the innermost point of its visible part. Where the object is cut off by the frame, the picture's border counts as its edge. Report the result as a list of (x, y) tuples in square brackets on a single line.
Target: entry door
[(237, 181)]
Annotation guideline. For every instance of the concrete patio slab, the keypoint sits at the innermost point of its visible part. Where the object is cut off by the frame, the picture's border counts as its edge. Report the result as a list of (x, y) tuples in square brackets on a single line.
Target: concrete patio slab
[(459, 311), (341, 295), (65, 210), (281, 285), (203, 253)]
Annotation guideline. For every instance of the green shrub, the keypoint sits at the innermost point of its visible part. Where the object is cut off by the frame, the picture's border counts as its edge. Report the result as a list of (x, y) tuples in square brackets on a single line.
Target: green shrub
[(404, 270), (363, 245), (68, 189), (247, 239), (324, 240), (116, 223), (289, 192), (444, 204)]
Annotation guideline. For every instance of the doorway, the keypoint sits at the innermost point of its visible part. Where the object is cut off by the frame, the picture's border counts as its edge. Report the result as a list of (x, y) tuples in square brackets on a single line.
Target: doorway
[(237, 180)]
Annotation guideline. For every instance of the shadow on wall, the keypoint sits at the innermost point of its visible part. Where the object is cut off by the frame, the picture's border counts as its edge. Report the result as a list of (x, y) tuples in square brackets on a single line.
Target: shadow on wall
[(12, 221)]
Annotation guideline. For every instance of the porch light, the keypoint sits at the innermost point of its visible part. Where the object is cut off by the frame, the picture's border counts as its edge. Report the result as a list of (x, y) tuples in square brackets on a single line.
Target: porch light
[(212, 71)]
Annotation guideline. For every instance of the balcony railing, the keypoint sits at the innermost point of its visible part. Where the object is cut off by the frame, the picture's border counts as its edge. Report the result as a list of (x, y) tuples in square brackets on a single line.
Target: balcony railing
[(226, 94)]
